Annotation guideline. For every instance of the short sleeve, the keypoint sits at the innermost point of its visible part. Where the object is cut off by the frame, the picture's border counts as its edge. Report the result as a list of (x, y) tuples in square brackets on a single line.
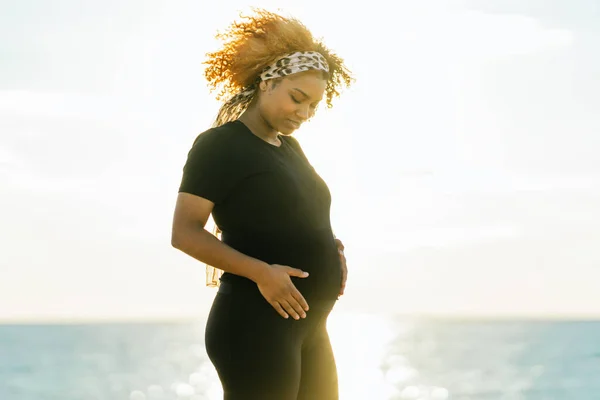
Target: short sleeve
[(210, 170), (293, 142)]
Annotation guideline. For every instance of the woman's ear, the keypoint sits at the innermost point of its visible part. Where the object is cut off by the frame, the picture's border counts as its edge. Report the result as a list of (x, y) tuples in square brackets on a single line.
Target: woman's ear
[(262, 85)]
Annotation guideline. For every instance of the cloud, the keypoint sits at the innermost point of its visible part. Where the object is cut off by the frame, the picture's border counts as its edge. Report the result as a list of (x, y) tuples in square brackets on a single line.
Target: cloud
[(58, 138), (478, 34), (7, 158), (468, 34), (65, 105)]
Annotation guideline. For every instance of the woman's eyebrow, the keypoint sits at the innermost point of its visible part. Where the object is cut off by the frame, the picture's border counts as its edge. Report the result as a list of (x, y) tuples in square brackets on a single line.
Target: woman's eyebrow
[(305, 95)]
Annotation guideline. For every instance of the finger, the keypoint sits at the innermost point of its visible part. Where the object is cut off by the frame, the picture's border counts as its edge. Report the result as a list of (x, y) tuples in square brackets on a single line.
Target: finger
[(342, 256), (344, 278), (300, 299), (290, 310), (294, 302), (297, 272), (279, 309)]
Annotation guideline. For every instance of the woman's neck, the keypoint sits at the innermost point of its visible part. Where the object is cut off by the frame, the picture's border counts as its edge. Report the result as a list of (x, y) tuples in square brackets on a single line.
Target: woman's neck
[(259, 127)]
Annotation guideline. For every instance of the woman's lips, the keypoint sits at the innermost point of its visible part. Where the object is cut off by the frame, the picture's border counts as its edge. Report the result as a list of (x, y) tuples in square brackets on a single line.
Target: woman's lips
[(294, 123)]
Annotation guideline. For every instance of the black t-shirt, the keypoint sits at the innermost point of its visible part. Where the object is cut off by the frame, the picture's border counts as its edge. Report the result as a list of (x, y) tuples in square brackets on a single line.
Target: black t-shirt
[(270, 204)]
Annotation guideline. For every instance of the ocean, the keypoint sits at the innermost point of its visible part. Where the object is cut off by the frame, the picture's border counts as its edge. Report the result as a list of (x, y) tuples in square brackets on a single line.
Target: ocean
[(379, 358)]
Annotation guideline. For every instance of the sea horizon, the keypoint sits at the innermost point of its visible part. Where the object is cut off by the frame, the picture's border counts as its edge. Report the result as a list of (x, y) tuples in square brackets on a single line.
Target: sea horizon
[(378, 357)]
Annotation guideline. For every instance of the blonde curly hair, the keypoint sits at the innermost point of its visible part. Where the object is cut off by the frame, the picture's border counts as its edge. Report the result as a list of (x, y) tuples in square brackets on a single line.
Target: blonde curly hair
[(253, 43)]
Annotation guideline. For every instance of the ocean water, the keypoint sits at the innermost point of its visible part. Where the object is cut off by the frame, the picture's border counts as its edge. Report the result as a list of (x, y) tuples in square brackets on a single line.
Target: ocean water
[(379, 358)]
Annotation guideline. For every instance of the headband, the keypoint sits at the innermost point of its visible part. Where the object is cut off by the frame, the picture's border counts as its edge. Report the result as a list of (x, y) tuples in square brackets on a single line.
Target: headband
[(287, 65), (294, 63)]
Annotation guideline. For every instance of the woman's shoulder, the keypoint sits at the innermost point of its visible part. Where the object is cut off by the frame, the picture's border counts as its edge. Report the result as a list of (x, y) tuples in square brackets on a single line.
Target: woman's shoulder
[(219, 134), (223, 139)]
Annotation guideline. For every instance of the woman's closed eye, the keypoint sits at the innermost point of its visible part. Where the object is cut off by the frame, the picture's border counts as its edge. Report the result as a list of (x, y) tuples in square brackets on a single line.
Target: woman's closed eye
[(312, 106)]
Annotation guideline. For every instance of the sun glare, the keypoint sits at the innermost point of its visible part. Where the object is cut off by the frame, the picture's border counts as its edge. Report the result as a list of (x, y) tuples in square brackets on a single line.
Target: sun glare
[(360, 343)]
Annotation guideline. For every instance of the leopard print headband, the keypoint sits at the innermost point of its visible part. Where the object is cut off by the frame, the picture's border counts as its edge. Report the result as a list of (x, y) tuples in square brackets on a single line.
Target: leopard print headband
[(294, 63), (287, 65)]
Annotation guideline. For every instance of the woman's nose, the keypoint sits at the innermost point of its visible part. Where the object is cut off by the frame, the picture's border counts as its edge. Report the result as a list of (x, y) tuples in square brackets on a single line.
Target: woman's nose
[(303, 113)]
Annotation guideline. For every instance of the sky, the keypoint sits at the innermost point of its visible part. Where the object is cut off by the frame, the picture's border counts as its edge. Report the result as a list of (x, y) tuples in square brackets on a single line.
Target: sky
[(462, 163)]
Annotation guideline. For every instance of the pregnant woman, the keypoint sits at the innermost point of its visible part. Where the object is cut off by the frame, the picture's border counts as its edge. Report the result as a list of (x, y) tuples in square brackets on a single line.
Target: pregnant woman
[(281, 268)]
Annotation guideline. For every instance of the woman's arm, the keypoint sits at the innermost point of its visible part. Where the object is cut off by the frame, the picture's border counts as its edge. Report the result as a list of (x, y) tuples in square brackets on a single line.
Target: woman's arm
[(188, 235), (273, 281)]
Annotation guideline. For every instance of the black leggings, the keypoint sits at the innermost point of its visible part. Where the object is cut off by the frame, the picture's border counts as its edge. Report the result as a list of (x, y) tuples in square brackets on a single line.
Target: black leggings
[(259, 355)]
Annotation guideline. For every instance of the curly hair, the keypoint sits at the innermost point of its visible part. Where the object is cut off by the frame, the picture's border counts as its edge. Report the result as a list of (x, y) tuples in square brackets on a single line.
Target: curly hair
[(255, 42)]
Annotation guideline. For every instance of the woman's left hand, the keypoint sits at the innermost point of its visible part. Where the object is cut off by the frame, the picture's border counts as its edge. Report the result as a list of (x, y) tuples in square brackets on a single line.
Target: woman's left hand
[(340, 247)]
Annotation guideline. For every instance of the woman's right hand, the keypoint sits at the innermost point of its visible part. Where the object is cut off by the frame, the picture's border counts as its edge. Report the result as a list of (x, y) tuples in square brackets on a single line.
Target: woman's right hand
[(277, 288)]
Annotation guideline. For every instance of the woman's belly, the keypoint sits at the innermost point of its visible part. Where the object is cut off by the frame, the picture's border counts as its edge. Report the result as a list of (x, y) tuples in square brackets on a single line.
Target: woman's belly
[(312, 252)]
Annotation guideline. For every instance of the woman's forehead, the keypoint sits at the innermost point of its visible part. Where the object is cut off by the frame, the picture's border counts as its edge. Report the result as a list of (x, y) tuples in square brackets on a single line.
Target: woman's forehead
[(310, 85)]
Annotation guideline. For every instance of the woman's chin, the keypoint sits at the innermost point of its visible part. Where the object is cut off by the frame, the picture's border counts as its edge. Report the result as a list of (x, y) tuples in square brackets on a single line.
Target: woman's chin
[(288, 127), (286, 130)]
